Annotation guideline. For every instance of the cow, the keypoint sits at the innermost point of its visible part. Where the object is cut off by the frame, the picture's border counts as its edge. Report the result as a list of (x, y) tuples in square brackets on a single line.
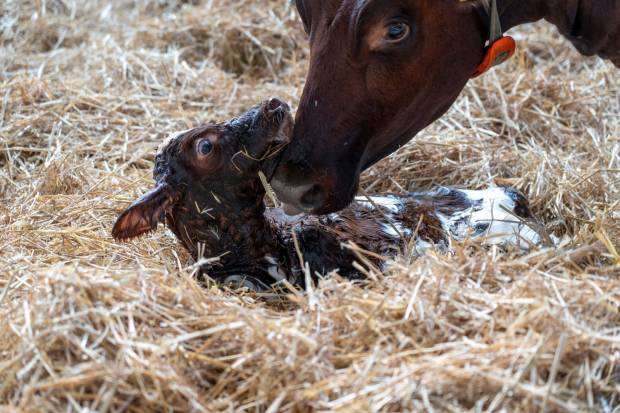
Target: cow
[(382, 70)]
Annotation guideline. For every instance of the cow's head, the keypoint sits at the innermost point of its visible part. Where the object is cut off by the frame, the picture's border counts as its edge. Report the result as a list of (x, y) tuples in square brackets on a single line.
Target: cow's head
[(380, 71)]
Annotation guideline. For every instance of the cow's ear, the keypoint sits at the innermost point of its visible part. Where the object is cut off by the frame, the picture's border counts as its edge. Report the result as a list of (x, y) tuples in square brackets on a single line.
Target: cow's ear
[(304, 13), (144, 214)]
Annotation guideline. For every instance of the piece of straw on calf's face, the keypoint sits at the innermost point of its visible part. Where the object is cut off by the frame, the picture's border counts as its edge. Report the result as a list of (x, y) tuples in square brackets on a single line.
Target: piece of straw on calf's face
[(209, 193)]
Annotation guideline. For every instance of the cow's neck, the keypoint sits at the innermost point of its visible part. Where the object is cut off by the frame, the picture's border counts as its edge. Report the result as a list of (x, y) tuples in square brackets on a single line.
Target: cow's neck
[(564, 14)]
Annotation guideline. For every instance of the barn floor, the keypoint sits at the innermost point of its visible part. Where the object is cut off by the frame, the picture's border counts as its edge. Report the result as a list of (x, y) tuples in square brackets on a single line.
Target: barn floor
[(87, 91)]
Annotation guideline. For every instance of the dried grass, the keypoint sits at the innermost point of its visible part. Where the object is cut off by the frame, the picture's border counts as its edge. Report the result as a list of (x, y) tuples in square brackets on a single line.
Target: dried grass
[(88, 89)]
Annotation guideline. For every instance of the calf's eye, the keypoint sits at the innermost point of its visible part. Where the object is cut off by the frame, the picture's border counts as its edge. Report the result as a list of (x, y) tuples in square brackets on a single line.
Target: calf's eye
[(397, 32), (205, 147)]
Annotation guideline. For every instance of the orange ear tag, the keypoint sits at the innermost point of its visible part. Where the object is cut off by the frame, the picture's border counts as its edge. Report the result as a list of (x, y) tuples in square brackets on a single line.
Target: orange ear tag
[(496, 54)]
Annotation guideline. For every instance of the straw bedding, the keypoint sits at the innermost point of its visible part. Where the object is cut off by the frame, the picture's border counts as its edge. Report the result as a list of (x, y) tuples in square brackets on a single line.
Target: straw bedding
[(88, 90)]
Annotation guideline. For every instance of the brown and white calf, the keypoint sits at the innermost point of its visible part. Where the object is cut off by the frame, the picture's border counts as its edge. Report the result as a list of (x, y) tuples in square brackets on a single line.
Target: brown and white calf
[(209, 193)]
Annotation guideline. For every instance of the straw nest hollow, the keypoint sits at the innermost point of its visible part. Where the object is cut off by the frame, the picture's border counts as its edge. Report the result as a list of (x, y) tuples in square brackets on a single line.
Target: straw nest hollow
[(87, 91)]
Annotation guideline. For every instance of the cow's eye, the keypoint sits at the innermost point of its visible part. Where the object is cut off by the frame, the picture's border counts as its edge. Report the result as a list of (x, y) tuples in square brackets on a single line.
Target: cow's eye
[(205, 147), (397, 32)]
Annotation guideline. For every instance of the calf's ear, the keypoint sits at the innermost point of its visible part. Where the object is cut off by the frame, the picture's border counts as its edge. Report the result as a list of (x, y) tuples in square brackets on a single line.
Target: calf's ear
[(144, 214)]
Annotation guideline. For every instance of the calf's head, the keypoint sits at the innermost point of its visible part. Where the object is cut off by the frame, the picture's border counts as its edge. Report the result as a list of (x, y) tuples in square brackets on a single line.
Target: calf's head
[(210, 171)]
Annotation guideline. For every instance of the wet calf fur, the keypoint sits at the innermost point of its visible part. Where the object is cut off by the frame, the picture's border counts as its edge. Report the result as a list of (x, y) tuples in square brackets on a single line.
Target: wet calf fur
[(209, 194)]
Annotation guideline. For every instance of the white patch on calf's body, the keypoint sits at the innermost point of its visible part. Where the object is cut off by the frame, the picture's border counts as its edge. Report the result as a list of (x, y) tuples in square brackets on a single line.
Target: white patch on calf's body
[(274, 270), (389, 202), (396, 229), (421, 246), (333, 216), (276, 273), (492, 217), (271, 260)]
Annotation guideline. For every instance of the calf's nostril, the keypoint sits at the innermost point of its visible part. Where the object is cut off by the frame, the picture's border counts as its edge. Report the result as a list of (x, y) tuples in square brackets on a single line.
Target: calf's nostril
[(314, 198), (274, 104)]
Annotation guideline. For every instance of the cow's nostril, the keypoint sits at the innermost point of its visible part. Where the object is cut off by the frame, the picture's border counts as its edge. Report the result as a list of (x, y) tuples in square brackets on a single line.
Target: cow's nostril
[(274, 104), (314, 198)]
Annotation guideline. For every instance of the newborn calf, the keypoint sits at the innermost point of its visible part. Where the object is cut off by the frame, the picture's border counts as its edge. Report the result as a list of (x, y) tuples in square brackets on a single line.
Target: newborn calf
[(209, 193)]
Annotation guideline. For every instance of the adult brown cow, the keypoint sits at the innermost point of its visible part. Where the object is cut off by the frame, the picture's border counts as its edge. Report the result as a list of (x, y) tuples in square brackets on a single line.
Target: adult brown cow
[(382, 70)]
